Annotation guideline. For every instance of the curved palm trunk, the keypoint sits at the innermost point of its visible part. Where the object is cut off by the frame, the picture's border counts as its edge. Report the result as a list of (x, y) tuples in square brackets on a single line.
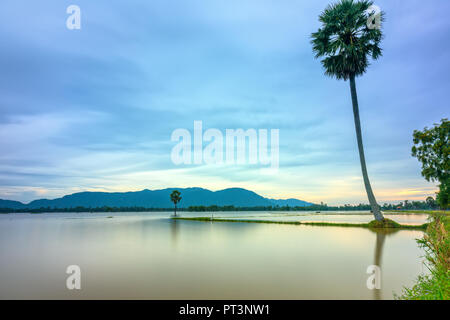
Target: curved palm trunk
[(373, 203)]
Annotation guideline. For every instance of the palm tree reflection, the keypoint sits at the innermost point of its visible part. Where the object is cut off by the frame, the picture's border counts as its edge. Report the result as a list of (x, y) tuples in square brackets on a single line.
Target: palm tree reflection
[(378, 255), (379, 244), (174, 231)]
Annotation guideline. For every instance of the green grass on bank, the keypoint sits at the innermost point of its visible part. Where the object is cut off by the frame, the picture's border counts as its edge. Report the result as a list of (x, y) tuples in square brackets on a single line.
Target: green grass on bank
[(388, 224), (436, 243)]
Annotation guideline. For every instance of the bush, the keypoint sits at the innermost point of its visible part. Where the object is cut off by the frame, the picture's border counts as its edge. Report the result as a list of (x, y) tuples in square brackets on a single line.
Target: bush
[(386, 223), (436, 243)]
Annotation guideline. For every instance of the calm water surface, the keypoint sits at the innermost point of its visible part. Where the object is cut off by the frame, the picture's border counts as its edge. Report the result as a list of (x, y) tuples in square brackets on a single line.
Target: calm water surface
[(150, 256)]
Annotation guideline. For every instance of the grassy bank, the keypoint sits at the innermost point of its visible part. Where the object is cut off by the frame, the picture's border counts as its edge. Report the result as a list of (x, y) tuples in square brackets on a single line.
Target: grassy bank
[(371, 225), (436, 244)]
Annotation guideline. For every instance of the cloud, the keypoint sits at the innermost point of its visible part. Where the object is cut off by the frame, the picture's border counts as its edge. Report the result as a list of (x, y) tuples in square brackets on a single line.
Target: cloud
[(94, 109)]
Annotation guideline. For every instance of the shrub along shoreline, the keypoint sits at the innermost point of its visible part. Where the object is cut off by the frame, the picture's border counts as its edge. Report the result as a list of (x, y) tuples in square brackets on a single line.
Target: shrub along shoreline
[(436, 243)]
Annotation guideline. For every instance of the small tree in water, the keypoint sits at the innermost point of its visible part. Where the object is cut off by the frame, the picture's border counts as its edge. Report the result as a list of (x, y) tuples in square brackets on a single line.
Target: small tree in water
[(346, 41), (175, 198)]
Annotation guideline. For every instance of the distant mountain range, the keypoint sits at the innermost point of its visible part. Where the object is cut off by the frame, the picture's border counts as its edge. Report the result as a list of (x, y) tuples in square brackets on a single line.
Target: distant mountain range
[(237, 197)]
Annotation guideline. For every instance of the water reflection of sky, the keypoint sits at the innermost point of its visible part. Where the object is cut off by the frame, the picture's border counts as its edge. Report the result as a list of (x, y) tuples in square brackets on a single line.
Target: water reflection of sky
[(148, 256)]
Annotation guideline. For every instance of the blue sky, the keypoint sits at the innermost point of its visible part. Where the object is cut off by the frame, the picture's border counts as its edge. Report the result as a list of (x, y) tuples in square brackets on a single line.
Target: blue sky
[(94, 109)]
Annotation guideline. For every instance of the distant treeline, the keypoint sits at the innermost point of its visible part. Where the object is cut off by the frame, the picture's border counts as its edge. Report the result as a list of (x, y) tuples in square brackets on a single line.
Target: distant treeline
[(84, 209), (430, 204)]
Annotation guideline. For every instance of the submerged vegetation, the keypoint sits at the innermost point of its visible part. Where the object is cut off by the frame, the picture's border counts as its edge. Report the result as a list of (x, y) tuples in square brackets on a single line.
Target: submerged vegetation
[(436, 243), (389, 224)]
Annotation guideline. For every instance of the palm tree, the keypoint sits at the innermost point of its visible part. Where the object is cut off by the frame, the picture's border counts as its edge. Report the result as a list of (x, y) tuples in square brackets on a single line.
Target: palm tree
[(175, 198), (346, 42)]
